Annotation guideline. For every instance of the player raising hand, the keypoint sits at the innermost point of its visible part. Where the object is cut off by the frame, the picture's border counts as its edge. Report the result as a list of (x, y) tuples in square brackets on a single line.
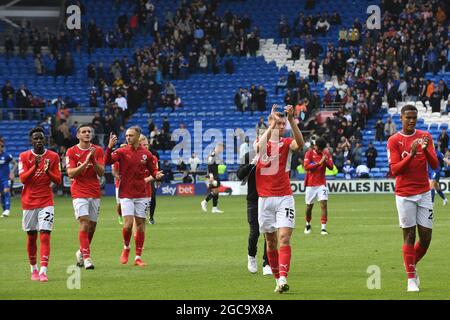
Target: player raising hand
[(276, 205)]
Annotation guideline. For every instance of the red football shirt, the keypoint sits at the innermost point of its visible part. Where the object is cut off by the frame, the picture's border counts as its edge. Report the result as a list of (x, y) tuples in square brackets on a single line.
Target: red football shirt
[(132, 166), (273, 168), (86, 184), (37, 192), (411, 175), (315, 172)]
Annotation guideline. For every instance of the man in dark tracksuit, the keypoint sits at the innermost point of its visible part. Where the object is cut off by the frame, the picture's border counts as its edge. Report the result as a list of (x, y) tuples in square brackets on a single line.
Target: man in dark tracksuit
[(246, 173), (154, 186)]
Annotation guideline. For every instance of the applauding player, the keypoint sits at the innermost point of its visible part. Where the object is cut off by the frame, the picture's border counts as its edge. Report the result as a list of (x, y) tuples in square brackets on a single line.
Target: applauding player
[(38, 168), (276, 205), (316, 161), (84, 163), (409, 152), (134, 160)]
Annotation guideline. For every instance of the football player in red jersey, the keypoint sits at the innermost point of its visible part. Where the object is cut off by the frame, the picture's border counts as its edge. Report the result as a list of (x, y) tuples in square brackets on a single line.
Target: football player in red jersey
[(38, 168), (85, 166), (276, 205), (409, 152), (316, 161), (134, 161)]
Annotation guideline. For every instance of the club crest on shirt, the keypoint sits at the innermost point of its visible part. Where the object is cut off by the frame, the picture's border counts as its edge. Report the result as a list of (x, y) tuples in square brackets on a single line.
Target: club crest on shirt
[(144, 159), (405, 154)]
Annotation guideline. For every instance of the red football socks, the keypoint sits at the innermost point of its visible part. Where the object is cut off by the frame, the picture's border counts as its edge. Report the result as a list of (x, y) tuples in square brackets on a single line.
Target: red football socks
[(323, 219), (409, 258), (126, 237), (32, 248), (420, 252), (45, 248), (272, 256), (83, 236), (285, 260), (139, 239)]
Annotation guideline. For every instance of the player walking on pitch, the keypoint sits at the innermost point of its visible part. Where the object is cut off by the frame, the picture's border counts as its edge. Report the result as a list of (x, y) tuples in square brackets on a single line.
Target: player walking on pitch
[(435, 176), (85, 165), (316, 162), (6, 176), (38, 168), (133, 160), (409, 152), (276, 205)]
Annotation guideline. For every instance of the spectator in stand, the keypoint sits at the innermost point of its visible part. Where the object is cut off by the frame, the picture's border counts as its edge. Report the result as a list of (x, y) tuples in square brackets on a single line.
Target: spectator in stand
[(261, 98), (348, 170), (389, 128), (167, 171), (281, 84), (238, 100), (194, 162), (313, 71), (7, 90), (322, 26), (371, 155), (362, 171), (9, 47), (379, 130), (435, 101), (443, 139), (291, 80), (121, 102), (261, 126)]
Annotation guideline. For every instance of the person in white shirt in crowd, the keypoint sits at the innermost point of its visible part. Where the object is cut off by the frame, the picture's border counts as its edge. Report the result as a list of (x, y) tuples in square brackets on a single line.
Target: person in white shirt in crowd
[(121, 102), (194, 162), (362, 171)]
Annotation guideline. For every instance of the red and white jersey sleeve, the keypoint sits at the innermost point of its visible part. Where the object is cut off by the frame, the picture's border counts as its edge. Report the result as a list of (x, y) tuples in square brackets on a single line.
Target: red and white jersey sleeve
[(273, 169), (86, 184), (413, 179), (37, 192)]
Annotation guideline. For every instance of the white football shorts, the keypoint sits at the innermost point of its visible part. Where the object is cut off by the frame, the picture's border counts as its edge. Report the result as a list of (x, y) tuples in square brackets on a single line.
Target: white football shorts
[(134, 207), (275, 213), (38, 219), (87, 207), (415, 210), (319, 192)]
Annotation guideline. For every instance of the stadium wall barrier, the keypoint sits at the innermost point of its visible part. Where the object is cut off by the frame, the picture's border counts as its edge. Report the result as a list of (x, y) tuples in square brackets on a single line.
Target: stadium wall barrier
[(338, 186)]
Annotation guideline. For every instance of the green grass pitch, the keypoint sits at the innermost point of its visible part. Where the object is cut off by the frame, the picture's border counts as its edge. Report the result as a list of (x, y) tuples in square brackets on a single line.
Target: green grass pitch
[(196, 255)]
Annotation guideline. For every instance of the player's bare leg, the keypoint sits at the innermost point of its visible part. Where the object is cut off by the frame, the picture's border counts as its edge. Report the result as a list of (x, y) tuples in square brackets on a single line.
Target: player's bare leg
[(139, 238), (32, 251), (272, 256), (308, 217), (119, 213), (409, 257), (127, 230), (324, 218)]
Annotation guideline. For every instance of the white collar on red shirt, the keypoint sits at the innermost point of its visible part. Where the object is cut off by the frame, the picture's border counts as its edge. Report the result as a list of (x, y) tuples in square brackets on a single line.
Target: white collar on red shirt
[(408, 135), (45, 151)]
